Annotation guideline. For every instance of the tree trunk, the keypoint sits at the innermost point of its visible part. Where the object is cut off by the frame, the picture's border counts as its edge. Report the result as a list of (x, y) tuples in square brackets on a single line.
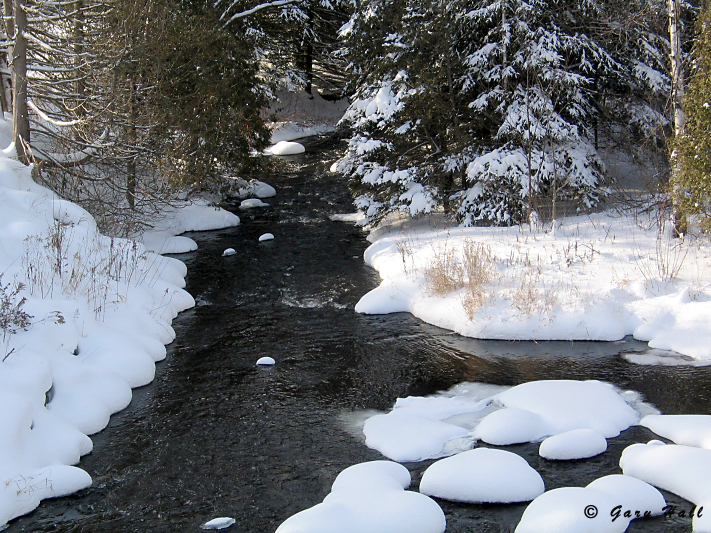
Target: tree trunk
[(677, 74), (131, 170), (10, 31), (20, 118)]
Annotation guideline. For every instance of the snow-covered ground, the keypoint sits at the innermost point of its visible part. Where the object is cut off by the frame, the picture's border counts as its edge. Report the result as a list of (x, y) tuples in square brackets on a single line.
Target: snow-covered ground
[(595, 277), (85, 318)]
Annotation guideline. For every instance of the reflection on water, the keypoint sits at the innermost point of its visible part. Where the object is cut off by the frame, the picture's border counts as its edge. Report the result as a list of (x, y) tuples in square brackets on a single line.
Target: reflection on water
[(216, 436)]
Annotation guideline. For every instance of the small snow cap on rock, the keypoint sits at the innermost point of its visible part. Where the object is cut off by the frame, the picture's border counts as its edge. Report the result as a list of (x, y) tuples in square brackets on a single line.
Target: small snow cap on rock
[(229, 251), (266, 237), (218, 523), (266, 361)]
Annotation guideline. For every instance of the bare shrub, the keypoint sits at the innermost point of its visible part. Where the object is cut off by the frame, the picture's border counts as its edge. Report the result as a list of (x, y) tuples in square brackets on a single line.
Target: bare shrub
[(100, 268), (445, 274)]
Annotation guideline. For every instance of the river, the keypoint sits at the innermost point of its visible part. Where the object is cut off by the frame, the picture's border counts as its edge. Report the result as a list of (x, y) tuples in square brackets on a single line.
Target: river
[(215, 435)]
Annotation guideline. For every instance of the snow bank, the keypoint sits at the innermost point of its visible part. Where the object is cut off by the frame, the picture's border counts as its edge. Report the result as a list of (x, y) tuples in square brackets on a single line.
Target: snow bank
[(598, 277), (370, 497), (98, 314), (482, 476), (420, 428), (607, 505), (197, 215)]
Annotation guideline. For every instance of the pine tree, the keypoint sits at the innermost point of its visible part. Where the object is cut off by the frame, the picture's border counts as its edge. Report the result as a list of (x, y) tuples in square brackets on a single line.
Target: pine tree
[(487, 109), (692, 184)]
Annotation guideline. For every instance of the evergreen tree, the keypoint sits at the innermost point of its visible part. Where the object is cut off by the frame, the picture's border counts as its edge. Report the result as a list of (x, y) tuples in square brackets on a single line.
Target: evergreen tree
[(487, 109), (692, 184)]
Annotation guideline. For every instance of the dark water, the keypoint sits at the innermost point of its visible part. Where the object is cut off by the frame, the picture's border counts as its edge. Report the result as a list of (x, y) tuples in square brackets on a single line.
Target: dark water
[(216, 436)]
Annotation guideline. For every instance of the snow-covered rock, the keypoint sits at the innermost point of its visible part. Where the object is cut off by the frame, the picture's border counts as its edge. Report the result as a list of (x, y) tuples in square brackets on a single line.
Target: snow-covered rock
[(370, 497), (403, 437), (286, 148), (218, 523), (482, 475), (683, 470), (690, 430), (266, 361), (573, 444), (266, 237), (251, 203), (228, 252), (510, 426), (607, 505), (441, 425)]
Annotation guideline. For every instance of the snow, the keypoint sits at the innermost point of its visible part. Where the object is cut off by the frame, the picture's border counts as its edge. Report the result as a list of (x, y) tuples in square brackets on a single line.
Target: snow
[(266, 237), (218, 523), (99, 316), (252, 203), (573, 444), (420, 428), (597, 277), (607, 505), (689, 430), (266, 361), (285, 148), (253, 189), (370, 497), (683, 470), (482, 475), (228, 252), (196, 215)]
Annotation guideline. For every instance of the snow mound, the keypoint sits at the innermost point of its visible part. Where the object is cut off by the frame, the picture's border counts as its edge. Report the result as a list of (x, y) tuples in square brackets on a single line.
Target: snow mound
[(266, 237), (370, 497), (252, 203), (409, 438), (432, 427), (683, 470), (266, 361), (607, 505), (574, 444), (229, 251), (286, 148), (510, 426), (482, 475), (690, 430)]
